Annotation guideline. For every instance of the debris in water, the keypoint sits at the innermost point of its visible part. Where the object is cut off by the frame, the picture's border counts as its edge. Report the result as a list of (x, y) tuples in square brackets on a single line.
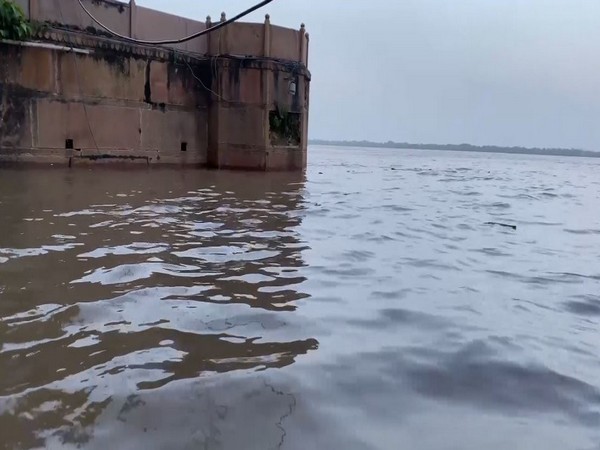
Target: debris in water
[(514, 227)]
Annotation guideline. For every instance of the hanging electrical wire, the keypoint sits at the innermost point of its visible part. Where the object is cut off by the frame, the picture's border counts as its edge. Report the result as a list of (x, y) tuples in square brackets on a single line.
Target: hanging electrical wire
[(181, 40), (220, 97)]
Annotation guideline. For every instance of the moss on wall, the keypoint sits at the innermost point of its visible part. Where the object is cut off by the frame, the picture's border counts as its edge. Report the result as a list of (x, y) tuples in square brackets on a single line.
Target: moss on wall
[(285, 128)]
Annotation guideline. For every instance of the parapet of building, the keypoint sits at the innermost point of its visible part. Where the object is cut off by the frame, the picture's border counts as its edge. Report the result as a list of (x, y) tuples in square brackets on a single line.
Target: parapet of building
[(236, 98)]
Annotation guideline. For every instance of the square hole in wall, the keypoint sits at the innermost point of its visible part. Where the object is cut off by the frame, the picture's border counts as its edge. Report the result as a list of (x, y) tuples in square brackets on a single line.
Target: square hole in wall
[(69, 144), (184, 146)]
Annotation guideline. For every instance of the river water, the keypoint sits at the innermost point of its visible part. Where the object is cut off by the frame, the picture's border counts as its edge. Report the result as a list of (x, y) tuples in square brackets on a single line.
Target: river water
[(366, 304)]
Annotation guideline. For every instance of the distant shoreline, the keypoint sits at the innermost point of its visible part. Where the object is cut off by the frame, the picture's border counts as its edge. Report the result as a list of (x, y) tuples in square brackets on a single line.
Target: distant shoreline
[(463, 148)]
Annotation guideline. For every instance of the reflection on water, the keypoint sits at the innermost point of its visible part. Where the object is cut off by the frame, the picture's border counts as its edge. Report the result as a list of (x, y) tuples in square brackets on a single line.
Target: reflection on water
[(115, 283), (369, 304)]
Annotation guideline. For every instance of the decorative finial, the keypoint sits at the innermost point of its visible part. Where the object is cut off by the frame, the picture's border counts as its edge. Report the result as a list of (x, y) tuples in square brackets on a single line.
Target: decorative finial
[(267, 16), (223, 17), (302, 26)]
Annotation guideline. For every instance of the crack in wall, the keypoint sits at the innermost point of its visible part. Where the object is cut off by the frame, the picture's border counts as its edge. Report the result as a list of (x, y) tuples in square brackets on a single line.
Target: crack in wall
[(148, 90)]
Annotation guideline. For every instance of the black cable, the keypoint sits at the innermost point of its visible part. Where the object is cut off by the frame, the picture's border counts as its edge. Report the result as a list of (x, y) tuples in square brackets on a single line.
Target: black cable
[(176, 41)]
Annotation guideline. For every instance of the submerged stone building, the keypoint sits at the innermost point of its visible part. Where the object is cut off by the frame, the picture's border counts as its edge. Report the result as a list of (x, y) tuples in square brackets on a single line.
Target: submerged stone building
[(74, 94)]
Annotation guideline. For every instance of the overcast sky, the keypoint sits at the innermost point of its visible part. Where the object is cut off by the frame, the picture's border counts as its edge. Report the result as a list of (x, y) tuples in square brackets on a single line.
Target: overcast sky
[(506, 72)]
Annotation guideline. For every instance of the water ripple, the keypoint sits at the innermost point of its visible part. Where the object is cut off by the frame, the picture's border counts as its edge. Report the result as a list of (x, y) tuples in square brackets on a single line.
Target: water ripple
[(359, 305)]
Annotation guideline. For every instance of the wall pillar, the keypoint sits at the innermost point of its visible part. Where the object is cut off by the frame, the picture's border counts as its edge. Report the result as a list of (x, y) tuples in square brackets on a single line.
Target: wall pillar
[(223, 37), (34, 11), (132, 18), (267, 36), (266, 84), (307, 49), (301, 57), (208, 36), (214, 109), (214, 114)]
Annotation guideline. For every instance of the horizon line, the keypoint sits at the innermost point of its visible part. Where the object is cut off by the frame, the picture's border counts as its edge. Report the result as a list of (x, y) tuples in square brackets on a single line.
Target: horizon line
[(463, 144)]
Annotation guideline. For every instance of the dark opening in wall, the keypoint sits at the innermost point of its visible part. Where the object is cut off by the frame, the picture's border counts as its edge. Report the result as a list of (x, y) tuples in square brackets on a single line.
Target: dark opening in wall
[(184, 146), (285, 128), (69, 144)]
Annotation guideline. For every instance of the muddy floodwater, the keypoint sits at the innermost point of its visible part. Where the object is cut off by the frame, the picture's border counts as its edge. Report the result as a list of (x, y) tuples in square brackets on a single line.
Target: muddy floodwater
[(371, 303)]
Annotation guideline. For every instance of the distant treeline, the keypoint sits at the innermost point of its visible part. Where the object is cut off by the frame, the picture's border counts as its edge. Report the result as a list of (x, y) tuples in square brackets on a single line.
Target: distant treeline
[(462, 148)]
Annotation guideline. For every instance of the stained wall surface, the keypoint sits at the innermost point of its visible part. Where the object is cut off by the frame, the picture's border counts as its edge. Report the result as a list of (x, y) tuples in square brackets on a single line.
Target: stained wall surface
[(235, 98), (104, 106)]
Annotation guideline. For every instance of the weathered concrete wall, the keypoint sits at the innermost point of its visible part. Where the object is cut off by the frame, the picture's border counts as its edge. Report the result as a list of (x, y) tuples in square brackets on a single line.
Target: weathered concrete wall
[(104, 104), (68, 12), (285, 43), (236, 98), (129, 19), (253, 39), (245, 39), (250, 90), (154, 25)]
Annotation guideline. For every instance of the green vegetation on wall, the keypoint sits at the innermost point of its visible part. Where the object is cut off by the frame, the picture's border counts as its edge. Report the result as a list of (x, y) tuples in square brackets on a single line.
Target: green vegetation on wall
[(13, 23), (285, 127)]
